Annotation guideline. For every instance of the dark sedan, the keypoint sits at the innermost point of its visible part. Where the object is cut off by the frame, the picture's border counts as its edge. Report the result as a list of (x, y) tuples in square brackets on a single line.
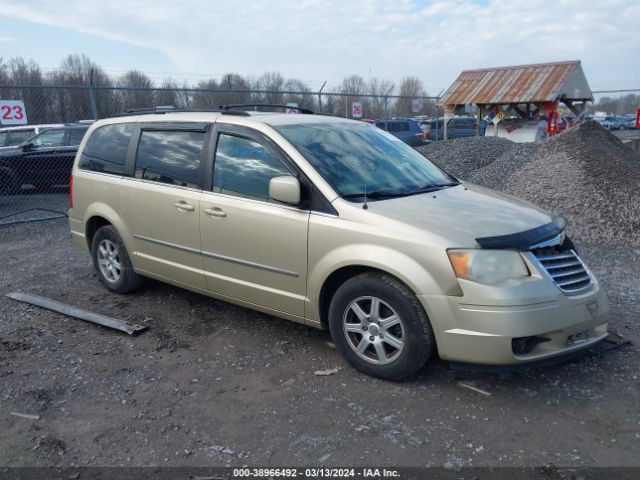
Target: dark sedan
[(43, 161)]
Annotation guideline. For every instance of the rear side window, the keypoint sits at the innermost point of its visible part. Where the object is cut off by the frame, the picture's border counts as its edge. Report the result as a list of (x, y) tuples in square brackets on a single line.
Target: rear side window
[(171, 157), (106, 149), (75, 135), (244, 167)]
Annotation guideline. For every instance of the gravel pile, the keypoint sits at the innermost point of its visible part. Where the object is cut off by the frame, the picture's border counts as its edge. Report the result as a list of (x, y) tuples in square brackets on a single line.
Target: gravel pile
[(462, 157), (585, 174)]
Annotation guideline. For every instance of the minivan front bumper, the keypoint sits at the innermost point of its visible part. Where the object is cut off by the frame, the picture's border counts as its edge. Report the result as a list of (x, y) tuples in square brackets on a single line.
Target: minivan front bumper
[(516, 334)]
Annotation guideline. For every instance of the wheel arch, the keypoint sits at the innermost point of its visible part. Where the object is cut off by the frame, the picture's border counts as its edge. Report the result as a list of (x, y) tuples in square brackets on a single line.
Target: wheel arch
[(100, 214), (92, 226), (339, 276), (338, 265)]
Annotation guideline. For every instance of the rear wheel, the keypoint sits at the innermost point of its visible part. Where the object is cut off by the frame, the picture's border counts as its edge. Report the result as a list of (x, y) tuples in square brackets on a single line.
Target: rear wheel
[(111, 261), (380, 327)]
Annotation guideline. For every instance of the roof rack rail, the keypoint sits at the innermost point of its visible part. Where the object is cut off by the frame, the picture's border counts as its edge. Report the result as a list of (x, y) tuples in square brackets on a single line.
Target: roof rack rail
[(268, 105), (170, 109)]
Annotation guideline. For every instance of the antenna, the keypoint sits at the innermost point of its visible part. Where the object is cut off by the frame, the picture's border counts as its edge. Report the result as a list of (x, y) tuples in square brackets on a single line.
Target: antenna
[(365, 205)]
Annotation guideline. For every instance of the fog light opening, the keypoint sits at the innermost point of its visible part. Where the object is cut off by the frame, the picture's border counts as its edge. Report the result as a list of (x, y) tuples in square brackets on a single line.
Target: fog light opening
[(524, 345)]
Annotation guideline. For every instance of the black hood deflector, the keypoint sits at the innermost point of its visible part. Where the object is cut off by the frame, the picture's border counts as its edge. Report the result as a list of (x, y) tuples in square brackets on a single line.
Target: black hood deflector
[(526, 239)]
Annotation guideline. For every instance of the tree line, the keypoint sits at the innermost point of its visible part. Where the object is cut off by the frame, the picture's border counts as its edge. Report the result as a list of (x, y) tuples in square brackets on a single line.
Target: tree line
[(134, 89), (622, 105)]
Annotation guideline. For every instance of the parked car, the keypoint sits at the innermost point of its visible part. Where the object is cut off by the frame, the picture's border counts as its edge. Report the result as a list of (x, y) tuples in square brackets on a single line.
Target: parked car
[(12, 136), (618, 123), (42, 161), (405, 129), (607, 122), (456, 127), (335, 224), (630, 121)]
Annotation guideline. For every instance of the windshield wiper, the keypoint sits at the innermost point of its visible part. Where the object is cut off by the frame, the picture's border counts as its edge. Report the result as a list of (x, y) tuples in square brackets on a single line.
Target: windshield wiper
[(431, 188), (376, 194), (379, 194)]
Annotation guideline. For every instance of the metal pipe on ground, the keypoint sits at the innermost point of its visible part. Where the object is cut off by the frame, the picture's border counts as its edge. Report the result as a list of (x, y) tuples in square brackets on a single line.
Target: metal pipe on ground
[(79, 313)]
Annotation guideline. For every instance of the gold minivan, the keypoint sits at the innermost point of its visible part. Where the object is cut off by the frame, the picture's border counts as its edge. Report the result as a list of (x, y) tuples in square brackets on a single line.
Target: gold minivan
[(335, 224)]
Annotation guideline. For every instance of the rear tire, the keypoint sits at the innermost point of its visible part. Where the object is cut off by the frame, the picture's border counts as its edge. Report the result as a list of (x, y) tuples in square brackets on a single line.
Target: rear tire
[(379, 326), (112, 262)]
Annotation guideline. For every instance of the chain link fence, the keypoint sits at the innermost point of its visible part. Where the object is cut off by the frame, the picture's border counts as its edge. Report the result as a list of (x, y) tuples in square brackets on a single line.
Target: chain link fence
[(36, 159)]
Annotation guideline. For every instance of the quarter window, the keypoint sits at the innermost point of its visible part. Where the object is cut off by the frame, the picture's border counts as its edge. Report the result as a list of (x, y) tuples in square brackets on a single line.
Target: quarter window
[(171, 157), (106, 149), (244, 167)]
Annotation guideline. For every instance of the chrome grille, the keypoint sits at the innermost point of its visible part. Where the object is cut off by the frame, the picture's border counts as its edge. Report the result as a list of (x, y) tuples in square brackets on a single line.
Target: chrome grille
[(565, 268)]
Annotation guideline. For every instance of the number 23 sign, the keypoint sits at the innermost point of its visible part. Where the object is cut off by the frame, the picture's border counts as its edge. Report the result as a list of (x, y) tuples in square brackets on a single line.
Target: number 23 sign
[(12, 112)]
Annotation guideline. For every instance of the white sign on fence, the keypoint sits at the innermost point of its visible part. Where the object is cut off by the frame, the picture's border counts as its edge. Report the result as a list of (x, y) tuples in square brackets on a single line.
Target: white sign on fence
[(356, 110), (12, 112), (416, 105), (292, 107)]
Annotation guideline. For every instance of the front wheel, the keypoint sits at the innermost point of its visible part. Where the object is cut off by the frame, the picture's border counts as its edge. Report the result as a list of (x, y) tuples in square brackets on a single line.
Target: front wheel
[(111, 261), (380, 327)]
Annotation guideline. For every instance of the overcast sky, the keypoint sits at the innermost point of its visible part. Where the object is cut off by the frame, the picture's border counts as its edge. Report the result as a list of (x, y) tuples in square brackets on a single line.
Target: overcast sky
[(318, 40)]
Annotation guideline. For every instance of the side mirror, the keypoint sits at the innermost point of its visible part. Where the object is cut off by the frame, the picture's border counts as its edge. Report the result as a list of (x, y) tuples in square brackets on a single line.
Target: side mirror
[(285, 189), (27, 146)]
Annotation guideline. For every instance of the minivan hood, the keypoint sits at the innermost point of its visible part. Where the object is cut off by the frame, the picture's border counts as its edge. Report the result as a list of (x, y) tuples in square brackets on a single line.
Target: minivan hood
[(462, 213)]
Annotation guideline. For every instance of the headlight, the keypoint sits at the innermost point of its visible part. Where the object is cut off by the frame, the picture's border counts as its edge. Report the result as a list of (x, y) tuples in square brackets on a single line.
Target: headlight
[(487, 266)]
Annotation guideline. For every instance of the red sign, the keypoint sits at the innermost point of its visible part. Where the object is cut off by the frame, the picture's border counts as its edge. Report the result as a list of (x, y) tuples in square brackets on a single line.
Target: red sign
[(638, 118)]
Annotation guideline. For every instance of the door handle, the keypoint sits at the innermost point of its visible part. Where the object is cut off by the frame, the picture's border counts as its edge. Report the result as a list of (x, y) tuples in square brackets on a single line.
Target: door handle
[(215, 212), (184, 206)]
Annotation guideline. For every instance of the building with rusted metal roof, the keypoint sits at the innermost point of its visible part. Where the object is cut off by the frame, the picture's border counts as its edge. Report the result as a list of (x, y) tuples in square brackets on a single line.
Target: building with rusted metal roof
[(522, 90)]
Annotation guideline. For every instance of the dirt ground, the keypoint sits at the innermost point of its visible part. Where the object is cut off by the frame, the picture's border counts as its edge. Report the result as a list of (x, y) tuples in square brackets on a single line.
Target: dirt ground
[(214, 384)]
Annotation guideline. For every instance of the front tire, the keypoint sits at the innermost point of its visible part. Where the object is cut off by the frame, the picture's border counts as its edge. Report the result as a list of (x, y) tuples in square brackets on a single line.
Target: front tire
[(112, 262), (380, 327)]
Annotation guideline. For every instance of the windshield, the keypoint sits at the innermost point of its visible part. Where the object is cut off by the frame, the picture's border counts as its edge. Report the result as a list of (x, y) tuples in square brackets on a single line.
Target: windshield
[(50, 138), (358, 158)]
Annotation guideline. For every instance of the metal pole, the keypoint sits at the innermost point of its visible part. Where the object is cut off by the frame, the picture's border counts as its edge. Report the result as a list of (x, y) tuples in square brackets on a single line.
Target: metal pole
[(320, 97), (92, 97), (437, 120), (386, 105), (437, 117)]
